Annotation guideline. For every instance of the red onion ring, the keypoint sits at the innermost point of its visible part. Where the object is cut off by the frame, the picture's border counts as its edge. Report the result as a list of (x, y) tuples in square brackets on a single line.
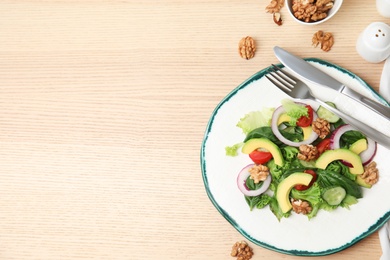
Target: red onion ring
[(366, 156), (275, 129), (241, 180)]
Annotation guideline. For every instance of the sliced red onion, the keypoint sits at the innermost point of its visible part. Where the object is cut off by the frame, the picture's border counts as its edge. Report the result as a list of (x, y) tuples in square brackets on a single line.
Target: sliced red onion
[(241, 180), (275, 129), (366, 156)]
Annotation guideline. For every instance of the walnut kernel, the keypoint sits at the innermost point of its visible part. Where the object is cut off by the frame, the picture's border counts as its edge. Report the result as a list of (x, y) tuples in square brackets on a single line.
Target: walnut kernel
[(307, 152), (327, 42), (370, 174), (259, 173), (242, 251), (317, 38), (311, 10), (274, 6), (277, 19), (247, 47), (325, 39), (301, 206), (321, 127)]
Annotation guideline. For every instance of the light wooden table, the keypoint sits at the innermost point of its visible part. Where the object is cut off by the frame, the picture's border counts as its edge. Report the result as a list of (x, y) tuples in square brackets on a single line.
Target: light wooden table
[(103, 107)]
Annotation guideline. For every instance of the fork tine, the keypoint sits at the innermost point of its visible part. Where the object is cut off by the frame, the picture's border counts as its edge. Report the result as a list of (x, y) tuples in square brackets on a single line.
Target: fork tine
[(286, 76), (281, 79), (278, 84)]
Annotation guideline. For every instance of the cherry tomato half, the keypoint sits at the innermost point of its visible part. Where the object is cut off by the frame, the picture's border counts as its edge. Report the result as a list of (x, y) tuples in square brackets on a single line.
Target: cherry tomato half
[(305, 121), (260, 157), (323, 145), (301, 187)]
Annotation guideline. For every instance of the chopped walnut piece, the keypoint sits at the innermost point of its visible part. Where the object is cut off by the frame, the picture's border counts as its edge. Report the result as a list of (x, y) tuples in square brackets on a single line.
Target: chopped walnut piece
[(301, 206), (277, 19), (247, 47), (370, 174), (321, 127), (274, 6), (307, 152), (318, 16), (325, 8), (242, 251), (259, 173), (323, 2)]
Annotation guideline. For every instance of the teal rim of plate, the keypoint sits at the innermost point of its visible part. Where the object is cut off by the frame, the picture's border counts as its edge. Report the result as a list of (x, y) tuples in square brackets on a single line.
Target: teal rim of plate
[(381, 221)]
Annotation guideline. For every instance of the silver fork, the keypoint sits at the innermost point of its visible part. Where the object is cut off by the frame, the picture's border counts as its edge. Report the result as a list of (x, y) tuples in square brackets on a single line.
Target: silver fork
[(298, 90)]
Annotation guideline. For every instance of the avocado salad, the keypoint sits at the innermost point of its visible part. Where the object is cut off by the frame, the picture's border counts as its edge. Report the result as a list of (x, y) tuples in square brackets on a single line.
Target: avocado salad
[(302, 161)]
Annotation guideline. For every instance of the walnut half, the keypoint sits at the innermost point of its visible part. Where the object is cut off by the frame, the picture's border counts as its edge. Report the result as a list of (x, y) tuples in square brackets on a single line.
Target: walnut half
[(325, 39), (259, 173), (321, 127), (307, 152), (242, 251), (301, 206), (370, 174), (274, 6)]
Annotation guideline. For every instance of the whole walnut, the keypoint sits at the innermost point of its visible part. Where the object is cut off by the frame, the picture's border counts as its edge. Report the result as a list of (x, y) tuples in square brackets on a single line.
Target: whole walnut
[(247, 47)]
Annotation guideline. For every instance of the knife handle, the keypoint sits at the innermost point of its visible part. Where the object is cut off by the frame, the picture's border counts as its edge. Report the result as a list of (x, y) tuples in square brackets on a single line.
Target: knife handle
[(370, 132), (380, 109)]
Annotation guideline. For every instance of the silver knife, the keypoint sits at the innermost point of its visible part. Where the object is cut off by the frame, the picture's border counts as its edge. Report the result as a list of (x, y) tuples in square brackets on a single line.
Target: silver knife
[(311, 73)]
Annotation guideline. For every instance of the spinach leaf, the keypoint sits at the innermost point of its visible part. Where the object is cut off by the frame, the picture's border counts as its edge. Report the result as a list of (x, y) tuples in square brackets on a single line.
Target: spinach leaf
[(252, 185), (328, 178), (265, 132), (292, 133), (274, 206), (337, 166), (263, 201), (258, 201), (350, 137)]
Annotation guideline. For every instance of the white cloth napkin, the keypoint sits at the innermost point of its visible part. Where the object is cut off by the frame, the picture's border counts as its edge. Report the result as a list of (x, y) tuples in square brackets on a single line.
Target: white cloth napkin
[(384, 85), (384, 232), (384, 238)]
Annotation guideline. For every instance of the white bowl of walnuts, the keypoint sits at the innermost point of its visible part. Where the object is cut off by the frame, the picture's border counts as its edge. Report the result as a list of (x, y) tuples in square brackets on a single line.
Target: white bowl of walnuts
[(312, 12)]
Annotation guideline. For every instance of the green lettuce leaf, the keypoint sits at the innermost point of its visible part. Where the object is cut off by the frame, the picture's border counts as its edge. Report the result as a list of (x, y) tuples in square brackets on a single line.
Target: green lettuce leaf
[(255, 119), (294, 110), (233, 150)]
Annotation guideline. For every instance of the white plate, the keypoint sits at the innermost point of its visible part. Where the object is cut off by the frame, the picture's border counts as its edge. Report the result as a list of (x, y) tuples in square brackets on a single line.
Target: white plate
[(328, 232)]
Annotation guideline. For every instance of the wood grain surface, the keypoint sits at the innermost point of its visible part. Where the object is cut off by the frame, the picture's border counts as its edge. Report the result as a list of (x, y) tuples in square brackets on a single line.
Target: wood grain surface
[(103, 107)]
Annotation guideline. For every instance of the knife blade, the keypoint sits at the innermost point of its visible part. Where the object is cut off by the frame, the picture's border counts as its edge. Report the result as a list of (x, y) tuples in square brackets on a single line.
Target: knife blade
[(311, 73)]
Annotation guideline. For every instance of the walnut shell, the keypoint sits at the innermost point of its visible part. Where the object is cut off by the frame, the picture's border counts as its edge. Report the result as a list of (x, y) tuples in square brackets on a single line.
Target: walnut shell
[(247, 47)]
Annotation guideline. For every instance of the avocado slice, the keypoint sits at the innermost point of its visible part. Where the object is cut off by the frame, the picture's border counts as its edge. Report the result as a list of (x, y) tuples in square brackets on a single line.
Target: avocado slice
[(341, 154), (257, 143), (359, 146), (284, 188), (361, 182)]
